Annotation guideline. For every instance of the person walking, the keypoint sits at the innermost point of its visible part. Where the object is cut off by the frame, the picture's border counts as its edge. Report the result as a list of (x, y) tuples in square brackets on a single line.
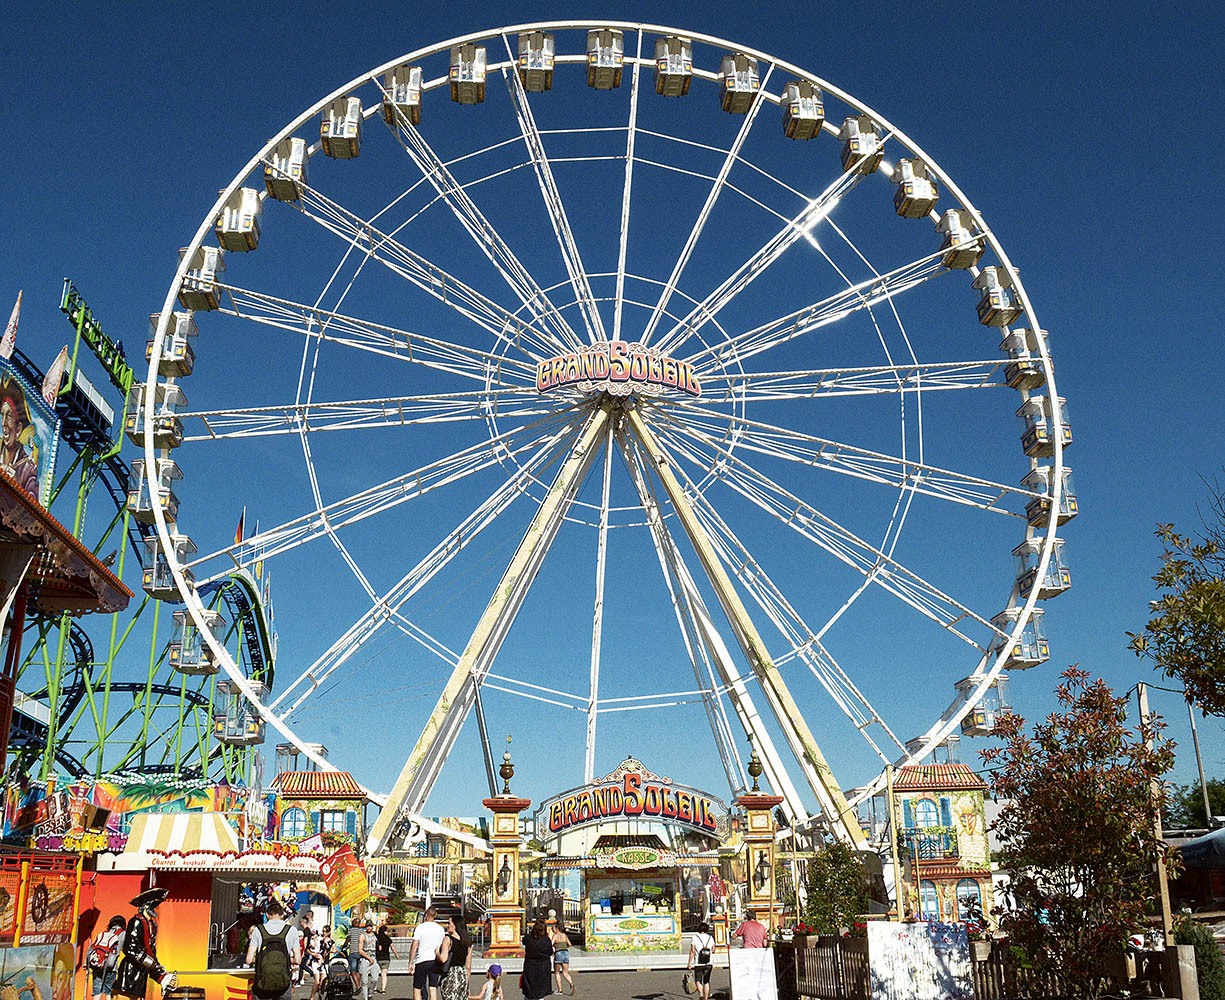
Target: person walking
[(752, 932), (491, 989), (103, 958), (367, 968), (701, 960), (537, 950), (423, 955), (456, 954), (383, 950), (264, 953), (561, 957)]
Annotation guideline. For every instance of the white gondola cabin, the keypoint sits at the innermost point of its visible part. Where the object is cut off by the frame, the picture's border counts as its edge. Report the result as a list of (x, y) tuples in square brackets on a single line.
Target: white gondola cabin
[(962, 247), (537, 54), (285, 171), (168, 399), (340, 129), (402, 95), (1054, 581), (605, 58), (916, 193), (1039, 481), (1037, 416), (999, 305), (235, 720), (199, 290), (237, 227), (177, 358), (738, 83), (673, 65), (141, 502), (155, 576), (468, 74), (983, 718), (861, 146), (803, 109), (187, 652), (1024, 349), (1032, 647)]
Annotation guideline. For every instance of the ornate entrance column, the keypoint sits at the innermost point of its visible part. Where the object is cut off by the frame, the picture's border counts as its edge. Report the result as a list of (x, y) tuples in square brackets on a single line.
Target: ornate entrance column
[(506, 910), (759, 844)]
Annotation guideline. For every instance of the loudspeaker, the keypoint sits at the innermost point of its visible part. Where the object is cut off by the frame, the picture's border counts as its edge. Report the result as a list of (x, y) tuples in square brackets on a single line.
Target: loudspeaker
[(94, 818)]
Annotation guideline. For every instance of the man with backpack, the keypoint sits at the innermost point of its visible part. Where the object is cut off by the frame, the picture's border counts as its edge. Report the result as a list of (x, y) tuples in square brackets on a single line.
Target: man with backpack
[(102, 959), (275, 949)]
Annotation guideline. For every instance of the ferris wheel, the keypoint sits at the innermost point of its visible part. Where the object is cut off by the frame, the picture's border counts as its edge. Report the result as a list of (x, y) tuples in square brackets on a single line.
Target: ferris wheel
[(593, 379)]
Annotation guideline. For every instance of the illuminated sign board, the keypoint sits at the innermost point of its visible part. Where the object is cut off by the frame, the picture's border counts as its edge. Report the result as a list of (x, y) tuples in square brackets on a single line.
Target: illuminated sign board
[(618, 368)]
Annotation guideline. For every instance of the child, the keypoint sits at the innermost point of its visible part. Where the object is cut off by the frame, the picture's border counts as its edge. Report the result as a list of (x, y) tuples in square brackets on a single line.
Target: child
[(492, 988)]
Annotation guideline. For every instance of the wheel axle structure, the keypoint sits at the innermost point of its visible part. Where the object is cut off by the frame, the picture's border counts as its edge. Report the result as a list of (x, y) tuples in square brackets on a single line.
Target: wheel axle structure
[(638, 339)]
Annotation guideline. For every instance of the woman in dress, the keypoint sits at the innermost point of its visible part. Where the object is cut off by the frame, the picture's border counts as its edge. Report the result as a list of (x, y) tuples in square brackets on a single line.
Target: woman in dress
[(537, 974), (456, 951), (561, 957)]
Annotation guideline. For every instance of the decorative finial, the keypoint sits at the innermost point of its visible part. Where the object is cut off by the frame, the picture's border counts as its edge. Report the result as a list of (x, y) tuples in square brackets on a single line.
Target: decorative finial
[(507, 769), (755, 768)]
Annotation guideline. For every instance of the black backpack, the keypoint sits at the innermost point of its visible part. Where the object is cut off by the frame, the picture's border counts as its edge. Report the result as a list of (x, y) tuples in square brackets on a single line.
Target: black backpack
[(273, 973), (703, 956)]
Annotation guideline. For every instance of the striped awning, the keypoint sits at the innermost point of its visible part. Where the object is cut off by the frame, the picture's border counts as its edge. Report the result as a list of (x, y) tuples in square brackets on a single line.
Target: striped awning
[(181, 833)]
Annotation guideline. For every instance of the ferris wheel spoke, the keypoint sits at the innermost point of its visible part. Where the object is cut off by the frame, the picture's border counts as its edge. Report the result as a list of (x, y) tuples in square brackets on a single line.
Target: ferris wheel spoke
[(830, 536), (317, 324), (730, 159), (361, 414), (631, 137), (270, 542), (554, 204), (426, 275), (388, 607), (840, 305), (755, 387), (711, 428), (487, 239), (798, 228)]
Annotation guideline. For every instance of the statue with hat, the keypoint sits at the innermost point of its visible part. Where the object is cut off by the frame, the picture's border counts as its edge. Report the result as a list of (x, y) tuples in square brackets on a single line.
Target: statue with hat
[(139, 952)]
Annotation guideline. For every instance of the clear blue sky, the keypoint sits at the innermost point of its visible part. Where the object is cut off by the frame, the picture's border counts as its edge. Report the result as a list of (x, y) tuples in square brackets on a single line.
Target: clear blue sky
[(1087, 138)]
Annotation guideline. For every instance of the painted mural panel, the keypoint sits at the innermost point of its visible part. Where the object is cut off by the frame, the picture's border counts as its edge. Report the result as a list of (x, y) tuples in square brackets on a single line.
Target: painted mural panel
[(29, 434)]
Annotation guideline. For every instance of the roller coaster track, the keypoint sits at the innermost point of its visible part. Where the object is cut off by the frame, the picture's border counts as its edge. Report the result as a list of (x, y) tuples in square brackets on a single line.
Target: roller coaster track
[(242, 596)]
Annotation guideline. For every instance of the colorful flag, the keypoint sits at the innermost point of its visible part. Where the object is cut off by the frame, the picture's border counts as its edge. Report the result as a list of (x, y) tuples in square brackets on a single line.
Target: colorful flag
[(55, 375), (242, 520), (345, 878), (10, 332)]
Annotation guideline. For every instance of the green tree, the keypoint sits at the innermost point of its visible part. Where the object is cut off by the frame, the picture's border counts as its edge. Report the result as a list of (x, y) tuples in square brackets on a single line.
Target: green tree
[(397, 903), (835, 889), (1209, 966), (1186, 805), (1185, 637), (1076, 829)]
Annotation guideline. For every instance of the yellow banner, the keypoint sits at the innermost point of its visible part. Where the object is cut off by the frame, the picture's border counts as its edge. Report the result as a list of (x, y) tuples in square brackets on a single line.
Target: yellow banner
[(345, 878)]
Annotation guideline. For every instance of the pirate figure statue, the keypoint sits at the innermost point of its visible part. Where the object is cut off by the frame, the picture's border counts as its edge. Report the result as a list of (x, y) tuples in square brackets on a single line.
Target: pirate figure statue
[(139, 958)]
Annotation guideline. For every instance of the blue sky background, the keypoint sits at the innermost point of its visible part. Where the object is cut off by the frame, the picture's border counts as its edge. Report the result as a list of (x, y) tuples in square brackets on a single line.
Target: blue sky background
[(1088, 138)]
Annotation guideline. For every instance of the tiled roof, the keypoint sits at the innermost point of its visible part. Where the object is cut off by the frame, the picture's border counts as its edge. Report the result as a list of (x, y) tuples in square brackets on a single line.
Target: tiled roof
[(938, 778), (317, 785)]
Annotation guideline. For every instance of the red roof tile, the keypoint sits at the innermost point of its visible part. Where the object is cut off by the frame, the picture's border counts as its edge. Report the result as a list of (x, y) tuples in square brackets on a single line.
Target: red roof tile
[(938, 777), (317, 785)]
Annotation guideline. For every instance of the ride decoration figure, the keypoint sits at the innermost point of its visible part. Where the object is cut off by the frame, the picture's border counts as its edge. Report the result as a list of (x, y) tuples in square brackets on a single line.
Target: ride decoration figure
[(139, 959)]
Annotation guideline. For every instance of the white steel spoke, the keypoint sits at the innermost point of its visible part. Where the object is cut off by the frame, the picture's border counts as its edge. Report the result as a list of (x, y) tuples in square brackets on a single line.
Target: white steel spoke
[(826, 533), (752, 387), (388, 606), (729, 160), (361, 414), (553, 203), (487, 239), (429, 277), (840, 305), (597, 617), (711, 428), (270, 542), (318, 324), (631, 134)]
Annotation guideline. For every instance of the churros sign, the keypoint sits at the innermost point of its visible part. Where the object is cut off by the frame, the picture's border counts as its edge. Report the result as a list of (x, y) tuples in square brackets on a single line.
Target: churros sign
[(619, 368)]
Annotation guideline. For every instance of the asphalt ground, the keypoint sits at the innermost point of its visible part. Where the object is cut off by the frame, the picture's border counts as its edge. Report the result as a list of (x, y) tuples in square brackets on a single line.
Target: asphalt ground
[(631, 984)]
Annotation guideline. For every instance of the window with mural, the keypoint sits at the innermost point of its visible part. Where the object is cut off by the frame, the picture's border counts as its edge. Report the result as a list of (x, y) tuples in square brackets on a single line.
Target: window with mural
[(926, 814), (332, 821), (969, 900), (929, 901), (293, 824)]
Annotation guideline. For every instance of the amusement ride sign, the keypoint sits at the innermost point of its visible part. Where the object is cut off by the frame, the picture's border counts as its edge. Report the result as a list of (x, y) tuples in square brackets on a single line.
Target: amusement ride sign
[(617, 368), (631, 792)]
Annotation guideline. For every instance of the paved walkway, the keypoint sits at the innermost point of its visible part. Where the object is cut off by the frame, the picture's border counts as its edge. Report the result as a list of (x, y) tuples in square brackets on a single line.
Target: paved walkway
[(639, 984)]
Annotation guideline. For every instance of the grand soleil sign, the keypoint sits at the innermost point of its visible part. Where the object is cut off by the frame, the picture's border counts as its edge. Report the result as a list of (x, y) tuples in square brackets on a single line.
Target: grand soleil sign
[(619, 368), (631, 793)]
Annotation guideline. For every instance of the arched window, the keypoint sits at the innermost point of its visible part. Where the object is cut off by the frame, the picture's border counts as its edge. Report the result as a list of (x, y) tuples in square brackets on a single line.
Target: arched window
[(293, 823), (929, 901), (969, 900), (926, 814)]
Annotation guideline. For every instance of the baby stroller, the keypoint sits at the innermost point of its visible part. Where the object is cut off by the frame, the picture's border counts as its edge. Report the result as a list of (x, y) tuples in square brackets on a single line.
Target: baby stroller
[(337, 983)]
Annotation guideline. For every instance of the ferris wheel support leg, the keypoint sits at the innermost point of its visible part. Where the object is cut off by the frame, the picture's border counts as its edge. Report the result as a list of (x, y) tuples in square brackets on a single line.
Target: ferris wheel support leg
[(443, 726), (840, 818)]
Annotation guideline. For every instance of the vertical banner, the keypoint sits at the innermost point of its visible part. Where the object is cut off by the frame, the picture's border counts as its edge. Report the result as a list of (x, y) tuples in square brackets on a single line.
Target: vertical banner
[(345, 878), (924, 961), (29, 434)]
